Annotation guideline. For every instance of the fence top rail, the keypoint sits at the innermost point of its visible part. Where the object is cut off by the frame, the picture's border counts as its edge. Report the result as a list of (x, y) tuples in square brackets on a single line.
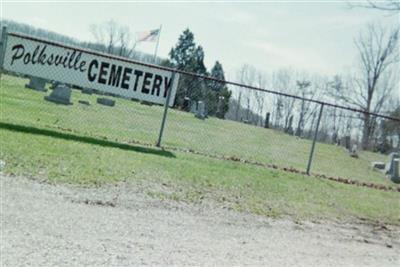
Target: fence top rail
[(109, 56)]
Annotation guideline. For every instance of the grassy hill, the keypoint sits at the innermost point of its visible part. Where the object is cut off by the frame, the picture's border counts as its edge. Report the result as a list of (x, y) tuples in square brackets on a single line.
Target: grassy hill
[(130, 120), (67, 144)]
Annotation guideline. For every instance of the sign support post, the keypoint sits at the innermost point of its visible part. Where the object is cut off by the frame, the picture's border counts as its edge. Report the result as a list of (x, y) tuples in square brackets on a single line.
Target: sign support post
[(2, 47), (164, 118)]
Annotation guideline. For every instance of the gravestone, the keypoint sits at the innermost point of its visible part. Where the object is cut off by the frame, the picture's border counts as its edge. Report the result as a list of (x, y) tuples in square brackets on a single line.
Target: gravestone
[(389, 166), (60, 95), (54, 84), (105, 101), (84, 102), (266, 125), (87, 91), (201, 110), (377, 165), (220, 107), (186, 104), (36, 84), (347, 142), (353, 151), (193, 108), (395, 176)]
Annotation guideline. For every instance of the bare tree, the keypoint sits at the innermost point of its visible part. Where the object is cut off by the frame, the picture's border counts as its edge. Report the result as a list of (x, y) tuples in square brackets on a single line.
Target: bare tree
[(247, 75), (126, 45), (373, 85), (283, 81), (106, 33), (388, 5), (303, 87), (259, 97), (337, 116), (116, 39)]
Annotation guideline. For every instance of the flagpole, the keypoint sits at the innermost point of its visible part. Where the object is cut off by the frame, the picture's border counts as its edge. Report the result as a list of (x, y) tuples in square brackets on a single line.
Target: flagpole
[(158, 40), (134, 49)]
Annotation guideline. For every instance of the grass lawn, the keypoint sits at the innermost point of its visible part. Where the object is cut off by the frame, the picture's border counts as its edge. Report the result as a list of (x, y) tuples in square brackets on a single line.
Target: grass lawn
[(67, 144), (130, 120), (186, 177)]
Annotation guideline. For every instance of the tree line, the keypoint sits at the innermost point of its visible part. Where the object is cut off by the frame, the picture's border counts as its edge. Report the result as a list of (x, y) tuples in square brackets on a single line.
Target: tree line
[(372, 86)]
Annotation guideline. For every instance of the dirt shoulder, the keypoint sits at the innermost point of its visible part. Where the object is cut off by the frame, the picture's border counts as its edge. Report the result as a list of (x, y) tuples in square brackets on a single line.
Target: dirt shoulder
[(47, 225)]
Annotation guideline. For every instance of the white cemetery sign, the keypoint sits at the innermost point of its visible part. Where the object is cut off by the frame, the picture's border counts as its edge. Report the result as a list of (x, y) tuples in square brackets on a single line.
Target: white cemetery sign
[(85, 68)]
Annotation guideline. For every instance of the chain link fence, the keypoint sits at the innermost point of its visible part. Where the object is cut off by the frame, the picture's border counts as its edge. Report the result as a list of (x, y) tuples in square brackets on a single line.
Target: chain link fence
[(258, 126)]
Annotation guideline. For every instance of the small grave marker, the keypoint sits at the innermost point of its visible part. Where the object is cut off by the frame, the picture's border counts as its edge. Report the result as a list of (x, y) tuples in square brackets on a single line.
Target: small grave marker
[(377, 165), (353, 151), (84, 102), (60, 95), (87, 91), (36, 84), (105, 101)]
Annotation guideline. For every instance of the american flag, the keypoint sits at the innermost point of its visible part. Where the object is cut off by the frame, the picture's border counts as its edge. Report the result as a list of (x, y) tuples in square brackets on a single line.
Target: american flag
[(147, 36)]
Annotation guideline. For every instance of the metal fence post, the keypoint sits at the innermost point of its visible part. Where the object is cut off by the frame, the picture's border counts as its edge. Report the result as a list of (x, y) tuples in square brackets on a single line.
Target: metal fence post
[(2, 47), (164, 118), (315, 139)]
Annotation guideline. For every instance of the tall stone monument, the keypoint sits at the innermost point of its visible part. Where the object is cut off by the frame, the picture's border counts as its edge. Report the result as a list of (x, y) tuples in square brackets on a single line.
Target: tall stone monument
[(395, 176), (201, 110), (266, 124), (220, 107)]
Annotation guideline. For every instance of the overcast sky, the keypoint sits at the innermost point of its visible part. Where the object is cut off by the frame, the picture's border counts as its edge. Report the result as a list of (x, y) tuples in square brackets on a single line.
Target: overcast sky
[(317, 37)]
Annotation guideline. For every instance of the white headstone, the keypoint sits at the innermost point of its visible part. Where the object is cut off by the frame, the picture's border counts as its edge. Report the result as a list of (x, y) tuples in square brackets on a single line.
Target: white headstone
[(389, 166), (193, 108), (353, 151), (220, 107), (201, 110)]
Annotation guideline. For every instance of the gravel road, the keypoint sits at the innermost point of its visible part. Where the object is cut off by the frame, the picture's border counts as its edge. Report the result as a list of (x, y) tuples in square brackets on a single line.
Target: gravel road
[(60, 225)]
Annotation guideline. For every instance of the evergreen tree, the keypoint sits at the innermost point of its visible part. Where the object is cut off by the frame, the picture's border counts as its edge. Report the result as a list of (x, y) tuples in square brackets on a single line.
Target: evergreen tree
[(187, 56), (182, 53), (217, 90)]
